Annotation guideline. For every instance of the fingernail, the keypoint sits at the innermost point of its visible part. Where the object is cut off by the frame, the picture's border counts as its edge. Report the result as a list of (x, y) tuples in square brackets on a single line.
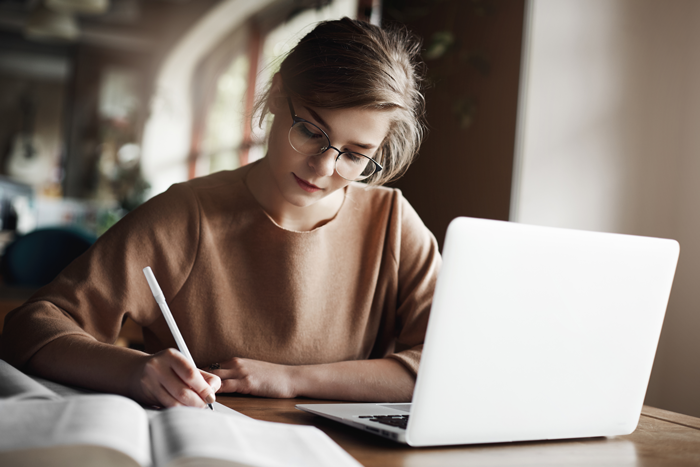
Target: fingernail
[(210, 399)]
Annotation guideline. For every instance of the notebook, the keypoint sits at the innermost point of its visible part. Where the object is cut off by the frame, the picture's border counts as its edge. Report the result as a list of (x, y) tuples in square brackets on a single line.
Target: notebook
[(43, 423), (535, 333)]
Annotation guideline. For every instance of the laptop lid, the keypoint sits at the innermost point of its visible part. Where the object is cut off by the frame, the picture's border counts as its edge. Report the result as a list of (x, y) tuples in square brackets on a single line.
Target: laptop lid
[(539, 333)]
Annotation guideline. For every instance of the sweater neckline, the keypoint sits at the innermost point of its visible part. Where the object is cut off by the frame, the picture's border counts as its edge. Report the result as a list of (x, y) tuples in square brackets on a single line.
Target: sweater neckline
[(332, 220)]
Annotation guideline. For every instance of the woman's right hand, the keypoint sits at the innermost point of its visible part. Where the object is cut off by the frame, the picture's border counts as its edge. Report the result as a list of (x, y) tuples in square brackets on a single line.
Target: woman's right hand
[(168, 379)]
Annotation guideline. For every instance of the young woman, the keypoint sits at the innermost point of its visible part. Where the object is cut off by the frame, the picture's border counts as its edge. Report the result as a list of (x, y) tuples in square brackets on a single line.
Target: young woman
[(297, 275)]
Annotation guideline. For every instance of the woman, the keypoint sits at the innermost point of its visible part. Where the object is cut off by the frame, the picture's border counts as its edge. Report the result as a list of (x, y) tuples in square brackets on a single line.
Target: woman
[(287, 277)]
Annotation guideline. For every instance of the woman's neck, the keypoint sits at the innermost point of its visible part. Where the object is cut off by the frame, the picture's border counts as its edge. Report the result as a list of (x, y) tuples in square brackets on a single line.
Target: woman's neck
[(289, 216)]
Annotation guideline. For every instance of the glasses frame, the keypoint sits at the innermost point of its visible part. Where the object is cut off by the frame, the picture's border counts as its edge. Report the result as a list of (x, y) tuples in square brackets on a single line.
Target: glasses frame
[(296, 119)]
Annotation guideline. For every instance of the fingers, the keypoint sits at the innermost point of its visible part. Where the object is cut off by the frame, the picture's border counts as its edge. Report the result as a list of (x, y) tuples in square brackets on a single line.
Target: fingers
[(162, 396), (194, 379), (231, 383), (212, 380), (170, 379), (258, 378), (235, 377)]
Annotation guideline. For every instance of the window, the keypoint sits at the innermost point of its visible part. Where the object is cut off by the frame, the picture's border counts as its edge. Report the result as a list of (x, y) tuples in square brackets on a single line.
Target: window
[(227, 139)]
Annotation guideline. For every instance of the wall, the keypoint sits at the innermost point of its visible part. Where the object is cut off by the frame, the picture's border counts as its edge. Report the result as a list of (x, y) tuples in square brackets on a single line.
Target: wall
[(465, 164), (608, 140)]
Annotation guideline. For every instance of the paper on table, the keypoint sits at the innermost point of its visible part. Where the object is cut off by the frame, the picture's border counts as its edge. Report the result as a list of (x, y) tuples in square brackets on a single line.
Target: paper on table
[(221, 408), (76, 429), (100, 420), (242, 441), (15, 385)]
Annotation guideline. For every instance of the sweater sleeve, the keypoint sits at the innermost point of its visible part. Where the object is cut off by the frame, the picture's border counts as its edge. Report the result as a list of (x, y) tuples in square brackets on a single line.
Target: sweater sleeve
[(95, 293), (419, 261)]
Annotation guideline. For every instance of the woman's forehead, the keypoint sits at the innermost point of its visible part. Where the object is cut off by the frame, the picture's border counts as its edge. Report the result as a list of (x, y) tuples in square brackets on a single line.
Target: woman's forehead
[(364, 126), (372, 122)]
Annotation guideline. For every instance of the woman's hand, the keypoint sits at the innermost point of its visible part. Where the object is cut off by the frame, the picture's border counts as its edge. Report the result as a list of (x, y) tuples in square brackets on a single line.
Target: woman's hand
[(256, 378), (165, 379), (168, 379), (383, 380)]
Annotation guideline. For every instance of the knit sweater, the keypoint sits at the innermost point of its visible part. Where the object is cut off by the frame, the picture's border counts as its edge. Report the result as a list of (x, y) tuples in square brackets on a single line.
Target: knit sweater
[(239, 285)]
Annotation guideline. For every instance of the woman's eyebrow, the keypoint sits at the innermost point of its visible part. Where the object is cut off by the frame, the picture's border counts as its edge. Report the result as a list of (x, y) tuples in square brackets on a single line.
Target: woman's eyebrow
[(317, 117), (320, 120)]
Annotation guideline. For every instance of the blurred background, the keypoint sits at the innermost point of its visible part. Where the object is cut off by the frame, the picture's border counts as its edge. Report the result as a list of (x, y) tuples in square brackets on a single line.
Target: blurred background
[(570, 113)]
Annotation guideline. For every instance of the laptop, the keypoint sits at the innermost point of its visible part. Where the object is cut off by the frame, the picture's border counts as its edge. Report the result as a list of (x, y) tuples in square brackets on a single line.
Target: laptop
[(535, 333)]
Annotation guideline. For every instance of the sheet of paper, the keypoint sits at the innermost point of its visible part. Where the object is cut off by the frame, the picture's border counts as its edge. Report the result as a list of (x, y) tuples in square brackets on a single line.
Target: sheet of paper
[(15, 385), (221, 408), (101, 420), (181, 433)]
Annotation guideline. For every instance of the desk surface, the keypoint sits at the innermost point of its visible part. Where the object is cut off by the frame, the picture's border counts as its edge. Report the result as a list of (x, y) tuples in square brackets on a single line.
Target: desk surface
[(662, 439)]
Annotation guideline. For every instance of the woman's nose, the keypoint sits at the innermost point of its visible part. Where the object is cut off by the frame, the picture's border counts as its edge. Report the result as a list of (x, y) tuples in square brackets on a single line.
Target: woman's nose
[(324, 164)]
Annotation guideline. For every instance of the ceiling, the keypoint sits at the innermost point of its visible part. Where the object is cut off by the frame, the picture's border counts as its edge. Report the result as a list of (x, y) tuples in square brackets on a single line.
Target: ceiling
[(127, 24)]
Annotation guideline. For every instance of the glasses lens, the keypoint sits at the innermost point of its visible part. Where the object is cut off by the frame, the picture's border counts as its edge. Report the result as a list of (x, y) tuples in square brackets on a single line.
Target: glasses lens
[(354, 166), (307, 139)]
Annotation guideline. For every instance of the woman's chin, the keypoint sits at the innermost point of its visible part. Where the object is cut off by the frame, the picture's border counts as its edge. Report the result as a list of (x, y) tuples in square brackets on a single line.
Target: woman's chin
[(303, 201)]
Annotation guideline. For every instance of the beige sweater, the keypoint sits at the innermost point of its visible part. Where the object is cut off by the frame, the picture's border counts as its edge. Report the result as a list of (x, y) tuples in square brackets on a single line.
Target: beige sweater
[(357, 287)]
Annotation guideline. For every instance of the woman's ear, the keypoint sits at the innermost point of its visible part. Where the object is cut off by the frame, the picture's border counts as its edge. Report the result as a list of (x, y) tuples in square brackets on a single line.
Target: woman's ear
[(277, 100)]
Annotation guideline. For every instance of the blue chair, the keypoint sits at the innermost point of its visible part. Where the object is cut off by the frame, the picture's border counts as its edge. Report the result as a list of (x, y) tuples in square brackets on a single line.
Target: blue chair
[(35, 259)]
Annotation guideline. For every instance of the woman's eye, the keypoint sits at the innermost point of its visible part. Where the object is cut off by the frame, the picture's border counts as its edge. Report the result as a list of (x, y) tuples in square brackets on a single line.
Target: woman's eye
[(309, 132), (352, 157)]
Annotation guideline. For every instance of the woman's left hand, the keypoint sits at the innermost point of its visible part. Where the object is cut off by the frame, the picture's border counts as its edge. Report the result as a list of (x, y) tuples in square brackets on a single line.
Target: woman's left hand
[(256, 378), (383, 379)]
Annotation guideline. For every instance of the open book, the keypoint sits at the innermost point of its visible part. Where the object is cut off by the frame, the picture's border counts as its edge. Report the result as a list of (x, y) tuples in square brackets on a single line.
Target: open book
[(39, 427)]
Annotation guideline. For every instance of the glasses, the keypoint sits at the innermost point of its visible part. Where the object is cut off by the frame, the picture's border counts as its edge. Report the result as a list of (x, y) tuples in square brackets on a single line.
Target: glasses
[(308, 139)]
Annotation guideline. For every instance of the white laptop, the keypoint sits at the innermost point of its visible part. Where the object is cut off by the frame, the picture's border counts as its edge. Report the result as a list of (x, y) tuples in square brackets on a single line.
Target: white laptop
[(535, 333)]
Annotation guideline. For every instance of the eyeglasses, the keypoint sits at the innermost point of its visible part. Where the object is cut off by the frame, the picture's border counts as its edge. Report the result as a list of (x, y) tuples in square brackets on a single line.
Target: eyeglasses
[(308, 139)]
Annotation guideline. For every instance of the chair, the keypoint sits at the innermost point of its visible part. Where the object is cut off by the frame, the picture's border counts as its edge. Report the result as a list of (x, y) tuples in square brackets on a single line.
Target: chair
[(35, 259)]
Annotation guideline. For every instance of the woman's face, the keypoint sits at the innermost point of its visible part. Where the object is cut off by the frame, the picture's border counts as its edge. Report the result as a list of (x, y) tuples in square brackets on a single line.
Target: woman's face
[(304, 180)]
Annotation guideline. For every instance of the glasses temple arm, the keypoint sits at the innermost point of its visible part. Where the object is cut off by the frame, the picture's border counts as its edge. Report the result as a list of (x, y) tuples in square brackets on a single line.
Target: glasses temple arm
[(291, 107)]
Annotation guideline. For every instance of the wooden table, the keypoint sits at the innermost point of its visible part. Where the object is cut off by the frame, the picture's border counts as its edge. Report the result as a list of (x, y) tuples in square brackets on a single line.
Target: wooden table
[(662, 438)]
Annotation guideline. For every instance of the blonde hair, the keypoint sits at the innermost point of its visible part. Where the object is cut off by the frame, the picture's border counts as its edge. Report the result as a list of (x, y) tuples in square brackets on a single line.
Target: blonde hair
[(349, 63)]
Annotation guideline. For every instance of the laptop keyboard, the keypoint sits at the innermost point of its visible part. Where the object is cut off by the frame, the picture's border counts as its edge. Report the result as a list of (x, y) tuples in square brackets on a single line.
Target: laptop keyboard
[(399, 421)]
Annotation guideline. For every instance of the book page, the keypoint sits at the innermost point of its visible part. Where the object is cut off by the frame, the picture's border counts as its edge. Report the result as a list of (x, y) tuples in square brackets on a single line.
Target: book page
[(15, 385), (62, 389), (106, 421), (186, 436), (221, 408), (218, 407), (67, 456)]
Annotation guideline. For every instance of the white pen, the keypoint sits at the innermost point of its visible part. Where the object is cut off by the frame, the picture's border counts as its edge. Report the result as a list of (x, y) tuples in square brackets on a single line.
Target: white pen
[(160, 299)]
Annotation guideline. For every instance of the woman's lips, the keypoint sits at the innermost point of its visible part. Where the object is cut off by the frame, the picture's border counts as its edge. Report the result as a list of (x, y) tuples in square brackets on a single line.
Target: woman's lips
[(306, 186)]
